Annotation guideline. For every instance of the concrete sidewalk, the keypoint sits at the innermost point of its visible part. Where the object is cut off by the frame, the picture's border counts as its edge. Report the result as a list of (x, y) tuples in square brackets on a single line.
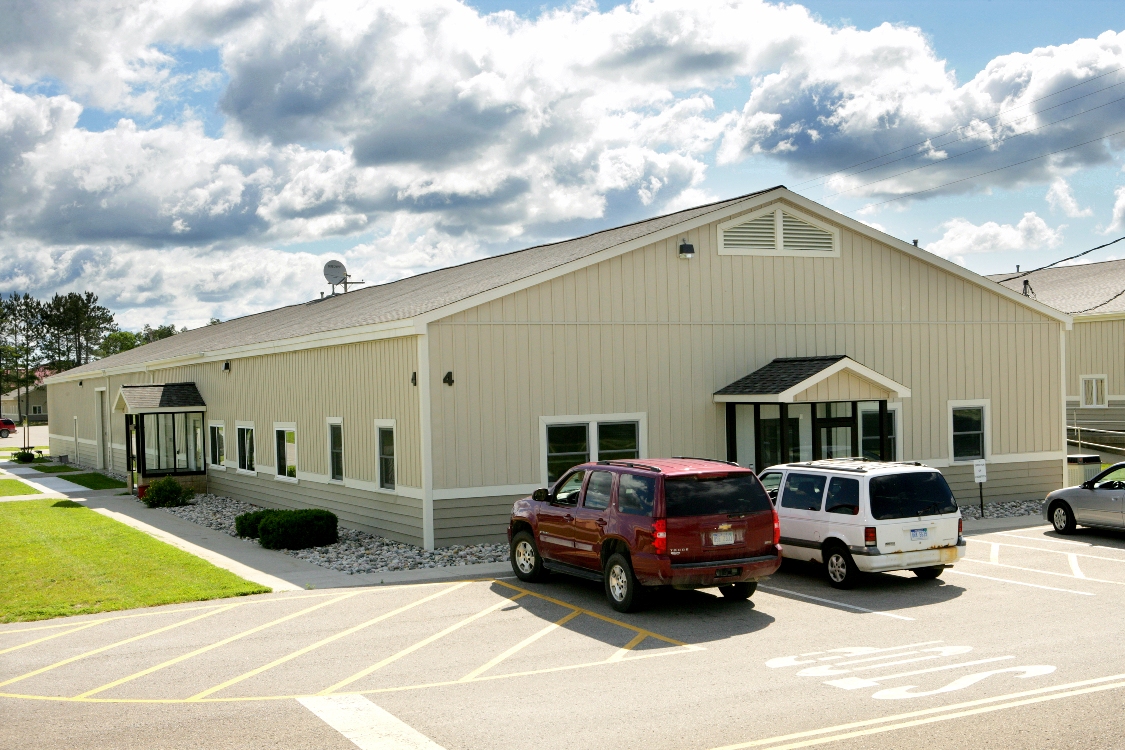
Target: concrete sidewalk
[(988, 525)]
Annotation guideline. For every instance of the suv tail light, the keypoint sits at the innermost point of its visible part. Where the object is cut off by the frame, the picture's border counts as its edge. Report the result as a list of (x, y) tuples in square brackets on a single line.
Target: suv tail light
[(660, 536), (776, 529), (869, 536)]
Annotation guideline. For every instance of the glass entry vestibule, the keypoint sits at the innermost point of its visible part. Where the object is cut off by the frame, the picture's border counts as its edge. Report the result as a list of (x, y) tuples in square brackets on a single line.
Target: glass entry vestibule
[(764, 434)]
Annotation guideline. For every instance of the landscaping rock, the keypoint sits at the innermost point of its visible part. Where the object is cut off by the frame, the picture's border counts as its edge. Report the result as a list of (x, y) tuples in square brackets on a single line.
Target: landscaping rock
[(1010, 509)]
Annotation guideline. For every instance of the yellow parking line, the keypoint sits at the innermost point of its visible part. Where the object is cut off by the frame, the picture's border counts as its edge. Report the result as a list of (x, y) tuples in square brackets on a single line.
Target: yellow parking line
[(424, 642), (323, 642), (519, 646), (100, 649), (223, 642), (624, 650), (49, 637)]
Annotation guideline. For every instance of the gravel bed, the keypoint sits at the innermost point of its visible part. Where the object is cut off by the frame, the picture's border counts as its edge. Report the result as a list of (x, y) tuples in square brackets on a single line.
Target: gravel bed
[(1011, 509), (356, 552)]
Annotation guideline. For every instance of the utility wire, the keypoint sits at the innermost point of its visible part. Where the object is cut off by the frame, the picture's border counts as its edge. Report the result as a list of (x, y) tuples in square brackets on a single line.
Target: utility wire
[(971, 150), (990, 171), (1095, 307), (1064, 260), (954, 130)]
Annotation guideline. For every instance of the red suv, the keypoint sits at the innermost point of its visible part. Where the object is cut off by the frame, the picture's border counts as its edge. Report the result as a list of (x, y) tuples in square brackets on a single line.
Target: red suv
[(683, 522), (7, 427)]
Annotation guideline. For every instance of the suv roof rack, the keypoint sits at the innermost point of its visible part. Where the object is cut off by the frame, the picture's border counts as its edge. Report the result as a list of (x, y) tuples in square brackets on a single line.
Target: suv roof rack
[(712, 460), (859, 465), (630, 464)]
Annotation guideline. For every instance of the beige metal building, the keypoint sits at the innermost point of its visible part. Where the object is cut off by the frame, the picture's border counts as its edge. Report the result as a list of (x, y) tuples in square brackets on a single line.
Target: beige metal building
[(758, 329)]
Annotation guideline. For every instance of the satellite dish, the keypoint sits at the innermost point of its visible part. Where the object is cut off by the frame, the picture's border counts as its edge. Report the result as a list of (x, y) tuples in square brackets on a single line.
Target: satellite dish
[(334, 272)]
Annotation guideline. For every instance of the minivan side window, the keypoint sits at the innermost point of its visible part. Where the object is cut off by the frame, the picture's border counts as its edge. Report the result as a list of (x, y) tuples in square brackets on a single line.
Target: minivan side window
[(635, 494), (771, 480), (843, 496), (598, 490), (803, 492), (567, 493)]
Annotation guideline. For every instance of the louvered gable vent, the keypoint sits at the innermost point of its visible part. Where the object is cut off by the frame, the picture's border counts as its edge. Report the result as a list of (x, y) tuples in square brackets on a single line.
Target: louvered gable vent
[(756, 234), (800, 235), (776, 232)]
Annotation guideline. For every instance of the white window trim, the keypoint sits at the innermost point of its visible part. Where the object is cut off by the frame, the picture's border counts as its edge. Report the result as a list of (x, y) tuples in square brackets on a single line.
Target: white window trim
[(221, 424), (237, 469), (385, 424), (779, 241), (328, 422), (288, 426), (591, 421), (985, 404), (1082, 391)]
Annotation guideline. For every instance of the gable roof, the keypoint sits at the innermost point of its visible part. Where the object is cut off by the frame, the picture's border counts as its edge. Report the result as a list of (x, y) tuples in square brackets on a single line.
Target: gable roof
[(1085, 289), (166, 397), (785, 377)]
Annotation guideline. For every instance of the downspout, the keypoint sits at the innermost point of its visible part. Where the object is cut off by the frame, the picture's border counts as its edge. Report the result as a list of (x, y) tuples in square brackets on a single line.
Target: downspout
[(427, 439), (1062, 356)]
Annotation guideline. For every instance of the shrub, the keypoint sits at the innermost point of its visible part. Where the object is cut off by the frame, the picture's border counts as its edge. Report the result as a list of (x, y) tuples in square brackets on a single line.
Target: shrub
[(247, 523), (297, 529), (24, 457), (166, 492)]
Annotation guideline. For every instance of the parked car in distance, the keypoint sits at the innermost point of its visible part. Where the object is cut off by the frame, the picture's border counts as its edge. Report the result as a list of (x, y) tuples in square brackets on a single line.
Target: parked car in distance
[(856, 516), (7, 427), (1096, 502), (639, 524)]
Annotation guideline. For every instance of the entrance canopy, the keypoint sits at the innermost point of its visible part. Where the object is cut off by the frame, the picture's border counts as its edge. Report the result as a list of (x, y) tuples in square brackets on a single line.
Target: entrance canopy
[(156, 398), (790, 380), (164, 428)]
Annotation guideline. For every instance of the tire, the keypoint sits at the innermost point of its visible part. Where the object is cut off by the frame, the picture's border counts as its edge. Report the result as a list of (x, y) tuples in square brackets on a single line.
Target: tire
[(840, 568), (1062, 518), (930, 573), (739, 591), (527, 563), (4, 433), (622, 590)]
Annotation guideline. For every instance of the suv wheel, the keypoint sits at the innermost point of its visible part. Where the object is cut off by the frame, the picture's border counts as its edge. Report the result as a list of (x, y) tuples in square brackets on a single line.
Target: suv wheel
[(526, 562), (4, 433), (621, 587), (840, 568), (739, 591), (1062, 518)]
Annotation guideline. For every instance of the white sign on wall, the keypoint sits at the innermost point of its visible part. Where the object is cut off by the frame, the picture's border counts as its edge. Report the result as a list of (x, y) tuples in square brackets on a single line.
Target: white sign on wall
[(980, 473)]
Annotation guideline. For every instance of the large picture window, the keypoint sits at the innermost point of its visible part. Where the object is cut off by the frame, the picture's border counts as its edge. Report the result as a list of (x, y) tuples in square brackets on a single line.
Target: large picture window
[(246, 449), (173, 443)]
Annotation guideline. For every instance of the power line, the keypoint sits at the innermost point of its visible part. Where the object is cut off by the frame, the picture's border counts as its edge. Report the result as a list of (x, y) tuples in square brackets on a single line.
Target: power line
[(990, 171), (1064, 260), (954, 130), (963, 153), (1095, 307)]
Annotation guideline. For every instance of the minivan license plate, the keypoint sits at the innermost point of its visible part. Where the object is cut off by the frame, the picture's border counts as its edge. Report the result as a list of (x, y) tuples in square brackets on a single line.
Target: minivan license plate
[(722, 537), (916, 534)]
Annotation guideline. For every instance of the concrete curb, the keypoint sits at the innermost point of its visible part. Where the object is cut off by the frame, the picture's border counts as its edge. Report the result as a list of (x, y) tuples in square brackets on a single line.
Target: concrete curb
[(988, 525)]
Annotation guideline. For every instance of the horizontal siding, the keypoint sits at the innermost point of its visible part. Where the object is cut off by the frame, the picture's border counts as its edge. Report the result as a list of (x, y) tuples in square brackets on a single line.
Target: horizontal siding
[(475, 520), (1006, 482)]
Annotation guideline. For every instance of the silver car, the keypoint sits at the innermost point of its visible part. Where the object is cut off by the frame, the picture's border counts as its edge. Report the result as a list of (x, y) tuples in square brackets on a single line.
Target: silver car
[(1097, 502)]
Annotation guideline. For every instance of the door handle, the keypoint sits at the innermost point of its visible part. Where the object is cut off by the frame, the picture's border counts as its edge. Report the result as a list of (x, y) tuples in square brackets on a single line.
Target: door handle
[(601, 521), (568, 518)]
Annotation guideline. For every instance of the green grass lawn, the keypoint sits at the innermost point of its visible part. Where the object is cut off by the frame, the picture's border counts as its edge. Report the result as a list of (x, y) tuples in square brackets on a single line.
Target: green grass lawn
[(12, 487), (61, 558), (95, 481), (56, 469)]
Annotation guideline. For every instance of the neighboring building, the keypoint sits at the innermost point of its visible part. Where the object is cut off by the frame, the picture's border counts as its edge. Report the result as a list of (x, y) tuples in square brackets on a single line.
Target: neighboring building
[(422, 408), (1094, 294), (33, 403)]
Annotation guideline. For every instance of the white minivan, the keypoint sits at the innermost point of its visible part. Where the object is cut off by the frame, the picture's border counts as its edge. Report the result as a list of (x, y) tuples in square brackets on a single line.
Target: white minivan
[(856, 516)]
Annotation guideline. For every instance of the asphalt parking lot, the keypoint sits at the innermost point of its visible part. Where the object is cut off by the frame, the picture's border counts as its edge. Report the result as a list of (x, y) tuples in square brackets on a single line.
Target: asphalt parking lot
[(1019, 645)]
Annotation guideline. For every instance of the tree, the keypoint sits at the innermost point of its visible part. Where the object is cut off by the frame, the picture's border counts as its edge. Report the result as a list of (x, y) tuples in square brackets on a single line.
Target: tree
[(25, 317), (74, 326), (214, 322), (117, 342), (149, 334)]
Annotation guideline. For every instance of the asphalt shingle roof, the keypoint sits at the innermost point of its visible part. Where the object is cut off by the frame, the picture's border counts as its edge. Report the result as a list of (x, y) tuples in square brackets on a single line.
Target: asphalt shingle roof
[(166, 396), (397, 300), (1074, 289), (779, 375)]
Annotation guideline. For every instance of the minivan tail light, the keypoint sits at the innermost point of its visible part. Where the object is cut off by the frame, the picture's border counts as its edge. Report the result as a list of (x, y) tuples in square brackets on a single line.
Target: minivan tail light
[(869, 536), (960, 526), (660, 536)]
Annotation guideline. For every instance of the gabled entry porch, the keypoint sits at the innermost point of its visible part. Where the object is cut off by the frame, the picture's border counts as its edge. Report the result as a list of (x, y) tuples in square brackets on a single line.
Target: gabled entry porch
[(163, 434), (807, 408)]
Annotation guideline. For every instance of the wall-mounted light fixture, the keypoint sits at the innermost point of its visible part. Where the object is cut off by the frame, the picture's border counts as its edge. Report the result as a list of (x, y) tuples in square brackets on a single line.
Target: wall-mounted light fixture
[(226, 366), (79, 383), (414, 378), (687, 250)]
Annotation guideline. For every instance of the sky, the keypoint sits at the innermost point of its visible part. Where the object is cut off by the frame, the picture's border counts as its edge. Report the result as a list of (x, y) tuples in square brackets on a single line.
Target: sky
[(189, 160)]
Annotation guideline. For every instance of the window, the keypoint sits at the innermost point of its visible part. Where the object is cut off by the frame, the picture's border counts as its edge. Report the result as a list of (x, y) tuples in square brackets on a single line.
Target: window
[(173, 443), (598, 490), (912, 494), (771, 480), (709, 495), (37, 410), (567, 445), (968, 433), (617, 440), (336, 451), (246, 448), (387, 458), (802, 492), (1093, 392), (218, 446), (567, 494), (286, 446), (843, 496), (869, 430), (635, 494)]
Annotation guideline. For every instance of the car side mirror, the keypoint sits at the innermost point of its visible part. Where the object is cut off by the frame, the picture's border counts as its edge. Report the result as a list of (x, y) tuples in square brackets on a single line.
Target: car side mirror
[(540, 495), (1088, 485)]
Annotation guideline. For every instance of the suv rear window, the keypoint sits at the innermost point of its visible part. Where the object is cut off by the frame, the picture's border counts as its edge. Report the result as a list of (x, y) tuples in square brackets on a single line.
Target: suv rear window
[(712, 494), (913, 494)]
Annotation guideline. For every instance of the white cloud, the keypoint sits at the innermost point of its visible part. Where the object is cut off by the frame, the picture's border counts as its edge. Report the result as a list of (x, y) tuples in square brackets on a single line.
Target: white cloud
[(962, 237), (1118, 221), (1061, 198)]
